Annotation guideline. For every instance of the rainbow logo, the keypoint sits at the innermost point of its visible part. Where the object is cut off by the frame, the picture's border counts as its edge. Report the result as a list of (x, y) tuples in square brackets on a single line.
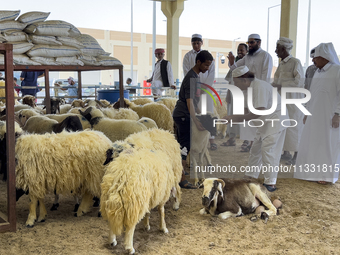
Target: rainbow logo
[(213, 90)]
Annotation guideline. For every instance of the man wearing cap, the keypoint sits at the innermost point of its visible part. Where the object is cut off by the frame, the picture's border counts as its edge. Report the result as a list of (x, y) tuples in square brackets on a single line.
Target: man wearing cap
[(189, 61), (290, 74), (268, 142), (319, 149), (72, 90), (162, 75), (257, 60)]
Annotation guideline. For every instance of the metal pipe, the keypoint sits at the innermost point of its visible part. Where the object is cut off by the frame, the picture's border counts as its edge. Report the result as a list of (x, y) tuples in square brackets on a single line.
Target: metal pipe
[(132, 39)]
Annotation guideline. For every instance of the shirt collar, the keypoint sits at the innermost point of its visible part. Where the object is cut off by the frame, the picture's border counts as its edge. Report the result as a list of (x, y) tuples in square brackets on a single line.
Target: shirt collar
[(325, 68), (195, 52), (287, 59)]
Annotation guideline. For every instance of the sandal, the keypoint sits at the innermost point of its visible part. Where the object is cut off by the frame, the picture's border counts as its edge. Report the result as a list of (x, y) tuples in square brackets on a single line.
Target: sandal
[(230, 142), (245, 149), (244, 145), (186, 185), (213, 146)]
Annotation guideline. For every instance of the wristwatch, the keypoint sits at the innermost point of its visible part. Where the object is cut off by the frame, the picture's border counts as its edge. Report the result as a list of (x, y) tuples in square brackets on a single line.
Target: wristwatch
[(336, 113)]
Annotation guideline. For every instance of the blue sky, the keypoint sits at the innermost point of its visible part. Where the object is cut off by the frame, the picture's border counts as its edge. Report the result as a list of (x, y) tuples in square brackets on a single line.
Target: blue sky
[(216, 19)]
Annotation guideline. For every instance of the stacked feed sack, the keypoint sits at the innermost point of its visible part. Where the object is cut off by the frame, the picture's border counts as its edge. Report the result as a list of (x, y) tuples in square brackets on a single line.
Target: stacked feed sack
[(52, 42)]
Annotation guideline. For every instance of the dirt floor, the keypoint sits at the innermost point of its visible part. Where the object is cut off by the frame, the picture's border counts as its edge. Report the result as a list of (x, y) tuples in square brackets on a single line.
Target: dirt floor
[(309, 223)]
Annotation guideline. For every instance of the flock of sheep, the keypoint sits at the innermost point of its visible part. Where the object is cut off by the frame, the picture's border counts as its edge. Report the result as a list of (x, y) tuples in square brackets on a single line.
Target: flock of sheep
[(128, 157)]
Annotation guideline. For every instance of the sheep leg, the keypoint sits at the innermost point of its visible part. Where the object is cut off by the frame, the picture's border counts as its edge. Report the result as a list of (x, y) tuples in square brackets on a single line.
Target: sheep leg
[(176, 193), (162, 226), (112, 238), (56, 202), (32, 216), (76, 206), (85, 205), (42, 211), (260, 195), (146, 221), (129, 239)]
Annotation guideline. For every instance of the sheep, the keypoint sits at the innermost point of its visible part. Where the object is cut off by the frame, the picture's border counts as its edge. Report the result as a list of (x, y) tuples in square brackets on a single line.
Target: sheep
[(60, 117), (199, 144), (130, 190), (148, 123), (63, 162), (29, 100), (55, 104), (32, 122), (65, 108), (142, 101), (168, 102), (78, 103), (157, 139), (113, 129), (158, 112), (122, 113)]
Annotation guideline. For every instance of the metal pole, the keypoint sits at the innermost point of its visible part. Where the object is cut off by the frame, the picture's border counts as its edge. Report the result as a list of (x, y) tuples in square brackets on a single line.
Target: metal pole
[(308, 35), (154, 35), (216, 64), (132, 39)]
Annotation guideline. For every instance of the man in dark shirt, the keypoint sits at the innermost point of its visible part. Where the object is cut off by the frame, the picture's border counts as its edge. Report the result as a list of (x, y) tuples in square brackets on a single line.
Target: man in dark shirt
[(187, 106), (29, 79)]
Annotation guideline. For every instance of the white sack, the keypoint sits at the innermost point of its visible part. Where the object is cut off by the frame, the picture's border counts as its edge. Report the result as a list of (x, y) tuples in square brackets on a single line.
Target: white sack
[(53, 28), (32, 17), (52, 51)]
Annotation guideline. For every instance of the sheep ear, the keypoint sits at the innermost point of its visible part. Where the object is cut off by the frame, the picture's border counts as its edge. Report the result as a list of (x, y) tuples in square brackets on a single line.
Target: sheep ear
[(222, 182), (132, 145), (220, 189), (109, 158)]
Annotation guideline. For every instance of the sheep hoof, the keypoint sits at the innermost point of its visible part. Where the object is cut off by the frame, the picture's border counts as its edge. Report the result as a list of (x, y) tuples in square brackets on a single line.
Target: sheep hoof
[(76, 208), (54, 207), (203, 211), (30, 226), (114, 243), (75, 215), (147, 228), (165, 231), (99, 214), (96, 202), (131, 251)]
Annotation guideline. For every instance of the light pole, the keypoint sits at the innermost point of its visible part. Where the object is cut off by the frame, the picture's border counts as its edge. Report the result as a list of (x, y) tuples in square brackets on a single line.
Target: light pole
[(218, 55), (268, 24), (308, 35), (233, 45)]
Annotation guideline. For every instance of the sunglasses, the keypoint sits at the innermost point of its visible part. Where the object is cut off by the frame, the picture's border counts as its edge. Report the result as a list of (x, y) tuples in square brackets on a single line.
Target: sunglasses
[(252, 42)]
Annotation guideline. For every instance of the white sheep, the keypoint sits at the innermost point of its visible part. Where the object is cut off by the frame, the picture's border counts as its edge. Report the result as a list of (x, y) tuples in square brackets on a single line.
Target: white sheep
[(113, 129), (168, 102), (65, 108), (221, 111), (158, 112), (158, 139), (63, 163), (122, 113), (148, 123), (134, 183), (142, 101), (60, 117)]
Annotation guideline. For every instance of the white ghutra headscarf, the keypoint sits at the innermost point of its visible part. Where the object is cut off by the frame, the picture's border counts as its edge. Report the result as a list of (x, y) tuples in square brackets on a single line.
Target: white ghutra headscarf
[(327, 51)]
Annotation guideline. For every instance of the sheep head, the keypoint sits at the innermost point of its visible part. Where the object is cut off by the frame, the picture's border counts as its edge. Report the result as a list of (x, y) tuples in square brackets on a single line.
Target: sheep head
[(117, 148), (29, 100)]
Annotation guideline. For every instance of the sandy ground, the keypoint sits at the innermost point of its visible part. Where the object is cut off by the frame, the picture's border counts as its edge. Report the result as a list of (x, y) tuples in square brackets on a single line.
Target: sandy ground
[(309, 223)]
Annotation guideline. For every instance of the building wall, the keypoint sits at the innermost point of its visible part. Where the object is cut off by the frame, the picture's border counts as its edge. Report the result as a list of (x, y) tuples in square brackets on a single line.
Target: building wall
[(119, 45)]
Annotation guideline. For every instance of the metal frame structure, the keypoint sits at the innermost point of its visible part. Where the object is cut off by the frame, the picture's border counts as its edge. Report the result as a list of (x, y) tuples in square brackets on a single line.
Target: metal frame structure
[(8, 222)]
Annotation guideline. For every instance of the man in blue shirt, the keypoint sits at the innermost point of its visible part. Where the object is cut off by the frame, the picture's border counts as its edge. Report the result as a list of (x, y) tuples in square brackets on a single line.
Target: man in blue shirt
[(29, 79), (73, 91)]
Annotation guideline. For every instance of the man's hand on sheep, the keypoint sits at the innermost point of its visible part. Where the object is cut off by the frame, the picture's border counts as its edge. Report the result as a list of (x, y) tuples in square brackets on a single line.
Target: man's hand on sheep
[(199, 125)]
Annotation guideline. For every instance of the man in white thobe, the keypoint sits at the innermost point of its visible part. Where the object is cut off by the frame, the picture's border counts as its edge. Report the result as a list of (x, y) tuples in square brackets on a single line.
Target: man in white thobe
[(162, 75), (268, 143), (319, 149), (260, 63), (189, 61), (290, 74)]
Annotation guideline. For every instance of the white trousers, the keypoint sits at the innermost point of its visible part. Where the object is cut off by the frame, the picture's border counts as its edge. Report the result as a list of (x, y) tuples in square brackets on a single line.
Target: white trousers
[(266, 152)]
